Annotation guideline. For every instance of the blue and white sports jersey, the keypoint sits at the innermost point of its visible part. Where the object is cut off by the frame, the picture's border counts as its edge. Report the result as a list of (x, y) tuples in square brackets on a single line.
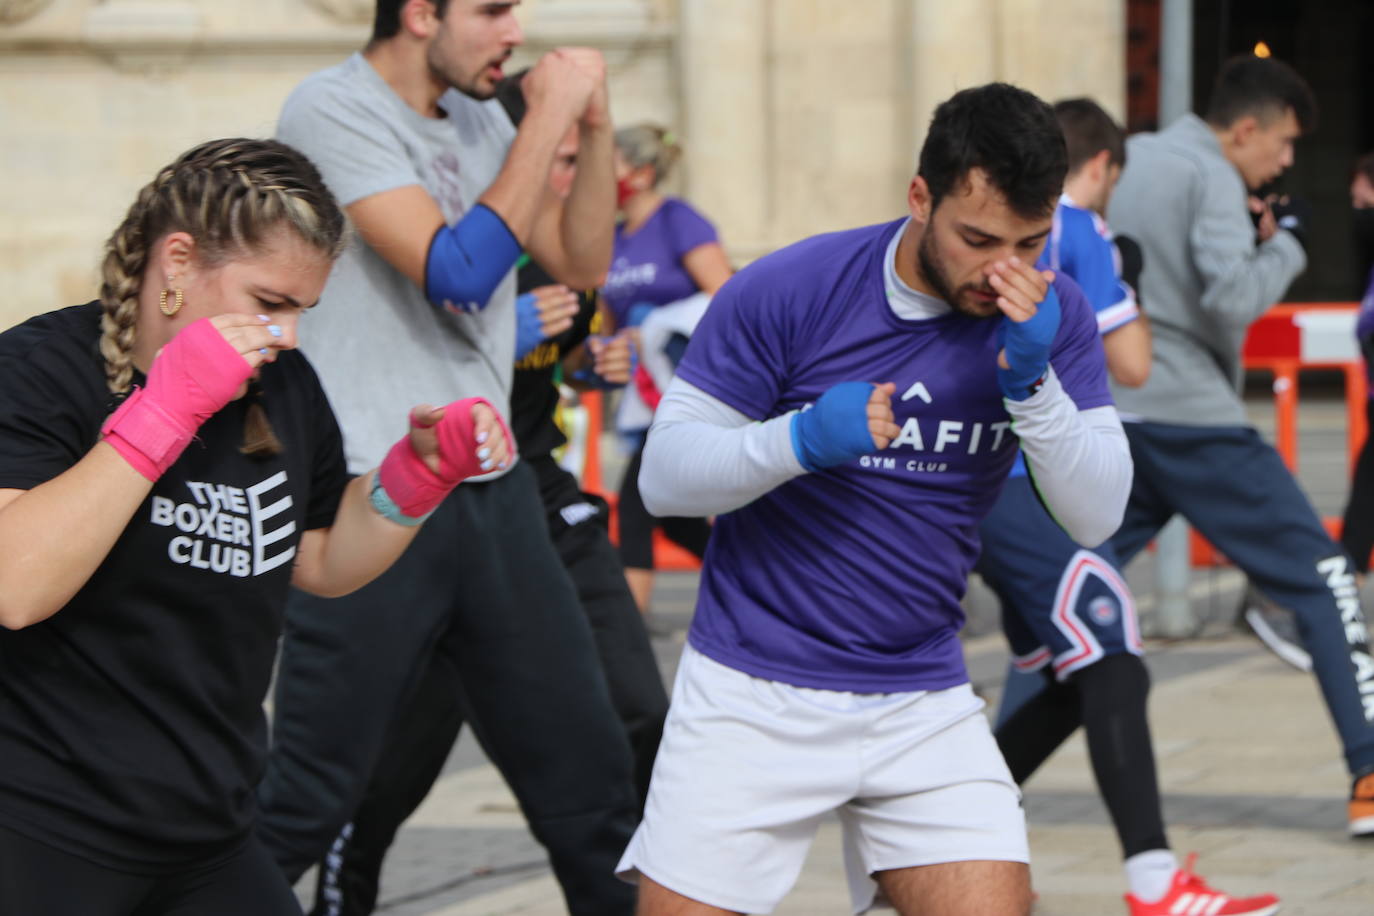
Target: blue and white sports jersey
[(1080, 245)]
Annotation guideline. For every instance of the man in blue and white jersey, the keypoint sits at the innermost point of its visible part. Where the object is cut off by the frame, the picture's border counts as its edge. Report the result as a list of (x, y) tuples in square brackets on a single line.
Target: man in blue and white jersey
[(846, 409), (1066, 609)]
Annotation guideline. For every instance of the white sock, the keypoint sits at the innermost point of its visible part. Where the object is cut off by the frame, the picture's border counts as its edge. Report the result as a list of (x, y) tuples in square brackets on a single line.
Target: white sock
[(1150, 874)]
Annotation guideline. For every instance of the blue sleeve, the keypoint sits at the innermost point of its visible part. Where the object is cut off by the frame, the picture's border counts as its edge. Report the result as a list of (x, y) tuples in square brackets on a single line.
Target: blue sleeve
[(467, 260), (1077, 355), (738, 353)]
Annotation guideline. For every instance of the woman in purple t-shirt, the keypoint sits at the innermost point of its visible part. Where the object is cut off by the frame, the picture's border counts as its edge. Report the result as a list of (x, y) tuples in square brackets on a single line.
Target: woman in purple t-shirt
[(1357, 529), (665, 251)]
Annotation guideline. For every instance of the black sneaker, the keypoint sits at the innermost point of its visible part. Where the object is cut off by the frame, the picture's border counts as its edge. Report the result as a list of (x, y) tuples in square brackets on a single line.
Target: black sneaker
[(1277, 628)]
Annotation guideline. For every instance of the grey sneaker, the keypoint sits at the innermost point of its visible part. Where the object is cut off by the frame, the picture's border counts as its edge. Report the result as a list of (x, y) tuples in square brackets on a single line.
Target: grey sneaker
[(1276, 628)]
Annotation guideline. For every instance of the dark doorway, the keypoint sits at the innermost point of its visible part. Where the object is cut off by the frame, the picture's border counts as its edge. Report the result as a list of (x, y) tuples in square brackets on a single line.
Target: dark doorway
[(1329, 44)]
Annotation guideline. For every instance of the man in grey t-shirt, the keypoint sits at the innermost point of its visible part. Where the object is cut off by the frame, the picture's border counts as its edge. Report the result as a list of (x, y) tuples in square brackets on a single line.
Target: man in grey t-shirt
[(445, 194), (1209, 272)]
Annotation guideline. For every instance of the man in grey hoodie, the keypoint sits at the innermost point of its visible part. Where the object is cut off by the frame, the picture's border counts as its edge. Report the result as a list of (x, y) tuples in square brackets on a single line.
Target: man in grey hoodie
[(1209, 272)]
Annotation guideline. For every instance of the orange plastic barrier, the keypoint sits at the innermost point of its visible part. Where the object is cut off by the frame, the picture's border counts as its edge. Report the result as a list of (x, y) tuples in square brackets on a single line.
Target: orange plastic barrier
[(1287, 339), (591, 464), (1311, 335)]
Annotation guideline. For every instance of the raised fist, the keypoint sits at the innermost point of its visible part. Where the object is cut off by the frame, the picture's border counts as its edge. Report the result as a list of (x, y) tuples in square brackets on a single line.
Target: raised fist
[(567, 83)]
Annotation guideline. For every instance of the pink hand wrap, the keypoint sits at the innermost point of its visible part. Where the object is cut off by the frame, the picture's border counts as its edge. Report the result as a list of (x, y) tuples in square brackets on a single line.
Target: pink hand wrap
[(412, 486), (196, 374)]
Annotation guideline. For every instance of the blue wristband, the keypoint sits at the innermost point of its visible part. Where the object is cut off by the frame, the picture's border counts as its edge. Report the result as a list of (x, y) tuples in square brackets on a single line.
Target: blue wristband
[(468, 260), (588, 376), (835, 430), (386, 507), (1028, 344), (529, 328)]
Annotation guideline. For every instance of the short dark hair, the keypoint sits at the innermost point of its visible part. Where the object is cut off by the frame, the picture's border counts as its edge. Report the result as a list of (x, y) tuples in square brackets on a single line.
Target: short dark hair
[(1008, 133), (1260, 87), (387, 22), (1088, 130)]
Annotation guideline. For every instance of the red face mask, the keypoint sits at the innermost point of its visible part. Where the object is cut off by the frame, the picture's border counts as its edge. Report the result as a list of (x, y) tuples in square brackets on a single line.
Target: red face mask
[(623, 192)]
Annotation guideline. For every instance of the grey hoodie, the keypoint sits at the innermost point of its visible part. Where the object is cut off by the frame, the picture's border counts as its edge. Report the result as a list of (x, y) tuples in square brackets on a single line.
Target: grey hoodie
[(1204, 281)]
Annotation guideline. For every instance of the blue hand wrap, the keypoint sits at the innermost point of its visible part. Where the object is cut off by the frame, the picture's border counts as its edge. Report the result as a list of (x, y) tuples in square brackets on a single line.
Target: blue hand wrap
[(529, 327), (467, 260), (635, 314), (588, 376), (835, 429), (1028, 346)]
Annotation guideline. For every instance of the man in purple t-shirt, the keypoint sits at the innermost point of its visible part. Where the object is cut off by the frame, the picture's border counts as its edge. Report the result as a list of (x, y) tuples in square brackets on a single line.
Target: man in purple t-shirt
[(849, 408)]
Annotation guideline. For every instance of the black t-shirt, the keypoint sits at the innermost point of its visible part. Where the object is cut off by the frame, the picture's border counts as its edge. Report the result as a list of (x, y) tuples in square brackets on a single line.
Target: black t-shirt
[(131, 724), (534, 395)]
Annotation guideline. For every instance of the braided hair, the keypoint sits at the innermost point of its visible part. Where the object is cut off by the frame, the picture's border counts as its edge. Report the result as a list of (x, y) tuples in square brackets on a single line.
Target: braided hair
[(230, 196)]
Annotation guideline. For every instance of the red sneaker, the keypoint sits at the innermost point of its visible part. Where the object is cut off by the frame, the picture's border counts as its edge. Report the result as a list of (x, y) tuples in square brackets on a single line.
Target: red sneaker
[(1190, 896)]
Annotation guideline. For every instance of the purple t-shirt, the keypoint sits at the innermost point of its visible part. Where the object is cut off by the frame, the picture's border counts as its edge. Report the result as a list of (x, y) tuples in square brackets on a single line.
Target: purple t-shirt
[(1364, 327), (850, 578), (646, 267)]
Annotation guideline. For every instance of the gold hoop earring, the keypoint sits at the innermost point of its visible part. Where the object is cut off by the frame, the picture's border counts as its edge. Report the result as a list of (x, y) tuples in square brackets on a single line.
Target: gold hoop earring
[(176, 306)]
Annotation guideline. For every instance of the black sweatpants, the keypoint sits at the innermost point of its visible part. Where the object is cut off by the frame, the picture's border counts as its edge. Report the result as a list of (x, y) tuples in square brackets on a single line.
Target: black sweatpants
[(415, 752), (637, 525), (1235, 490), (38, 880), (481, 588), (578, 524)]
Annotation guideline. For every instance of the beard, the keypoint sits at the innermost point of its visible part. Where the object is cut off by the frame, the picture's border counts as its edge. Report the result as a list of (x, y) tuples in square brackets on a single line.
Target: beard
[(931, 267), (473, 85)]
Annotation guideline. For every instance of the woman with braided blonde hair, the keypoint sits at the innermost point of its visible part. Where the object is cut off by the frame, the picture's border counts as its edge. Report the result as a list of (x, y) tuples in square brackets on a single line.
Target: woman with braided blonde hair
[(169, 465)]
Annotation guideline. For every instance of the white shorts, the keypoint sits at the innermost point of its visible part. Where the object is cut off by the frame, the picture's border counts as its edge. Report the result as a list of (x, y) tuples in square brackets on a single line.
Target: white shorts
[(749, 767)]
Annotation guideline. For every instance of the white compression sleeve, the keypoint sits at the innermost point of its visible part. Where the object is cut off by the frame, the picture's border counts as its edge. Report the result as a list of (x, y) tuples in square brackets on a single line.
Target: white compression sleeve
[(703, 457), (1080, 460)]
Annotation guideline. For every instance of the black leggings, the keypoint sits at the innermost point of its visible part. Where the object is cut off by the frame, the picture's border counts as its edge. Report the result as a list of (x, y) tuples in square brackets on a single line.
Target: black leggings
[(1357, 530), (637, 525), (38, 880), (1108, 699), (482, 590), (418, 745)]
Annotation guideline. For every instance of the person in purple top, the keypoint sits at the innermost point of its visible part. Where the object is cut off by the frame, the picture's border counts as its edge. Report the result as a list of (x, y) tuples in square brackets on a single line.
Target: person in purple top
[(849, 409), (1357, 528), (665, 251)]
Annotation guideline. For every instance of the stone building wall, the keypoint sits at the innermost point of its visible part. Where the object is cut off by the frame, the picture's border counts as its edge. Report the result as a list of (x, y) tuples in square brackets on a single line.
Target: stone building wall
[(798, 116)]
